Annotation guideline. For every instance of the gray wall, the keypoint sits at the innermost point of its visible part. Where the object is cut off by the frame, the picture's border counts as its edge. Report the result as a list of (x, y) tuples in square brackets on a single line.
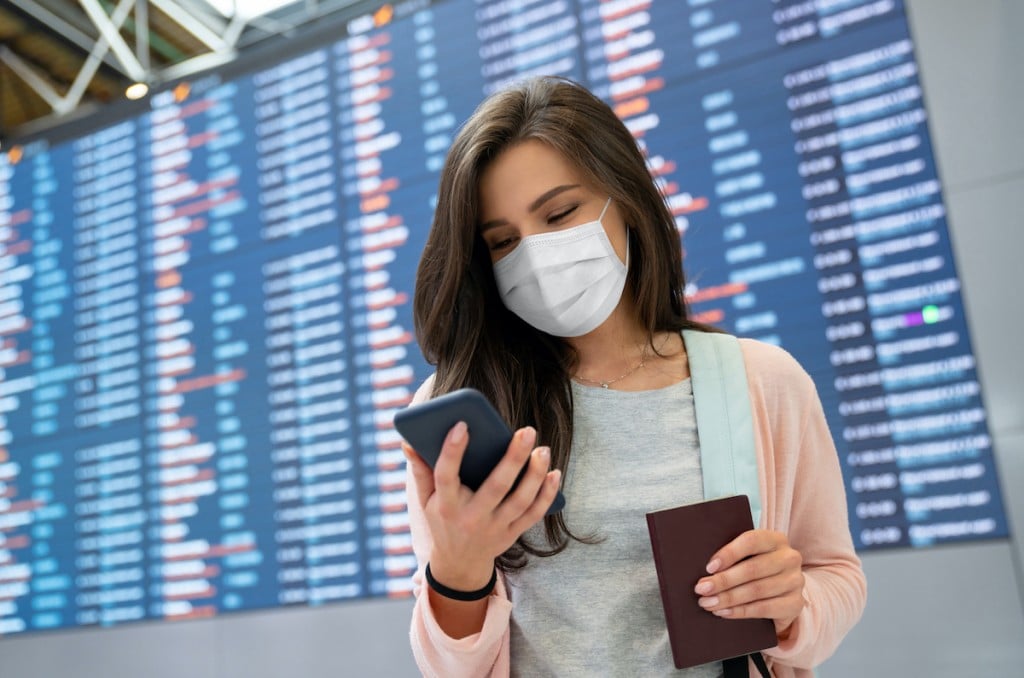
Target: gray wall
[(949, 611)]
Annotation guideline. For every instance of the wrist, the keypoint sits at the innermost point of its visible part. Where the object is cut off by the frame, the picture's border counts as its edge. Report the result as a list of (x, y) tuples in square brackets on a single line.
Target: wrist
[(461, 594), (462, 576)]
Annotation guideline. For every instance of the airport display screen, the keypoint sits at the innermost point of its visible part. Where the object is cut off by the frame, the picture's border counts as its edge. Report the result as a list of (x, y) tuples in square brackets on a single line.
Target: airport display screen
[(205, 310)]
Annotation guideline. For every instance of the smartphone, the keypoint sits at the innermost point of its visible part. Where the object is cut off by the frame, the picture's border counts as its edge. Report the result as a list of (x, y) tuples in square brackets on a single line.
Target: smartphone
[(425, 426)]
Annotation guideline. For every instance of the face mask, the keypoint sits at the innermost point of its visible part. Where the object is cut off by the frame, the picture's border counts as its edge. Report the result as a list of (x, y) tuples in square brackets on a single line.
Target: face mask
[(565, 283)]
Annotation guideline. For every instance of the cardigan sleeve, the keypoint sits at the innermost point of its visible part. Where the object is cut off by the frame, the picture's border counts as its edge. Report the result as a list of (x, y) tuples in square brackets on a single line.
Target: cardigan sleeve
[(482, 654), (807, 503)]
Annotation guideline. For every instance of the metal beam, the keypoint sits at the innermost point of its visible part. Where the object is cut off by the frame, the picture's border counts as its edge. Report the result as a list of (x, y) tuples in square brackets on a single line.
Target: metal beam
[(92, 62), (110, 32), (40, 125), (30, 77), (65, 29), (197, 28), (272, 26), (142, 32), (234, 31), (223, 37), (196, 64), (156, 43)]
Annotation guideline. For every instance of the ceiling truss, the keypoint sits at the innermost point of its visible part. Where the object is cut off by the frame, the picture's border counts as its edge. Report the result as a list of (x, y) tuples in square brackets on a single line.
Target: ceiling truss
[(62, 57)]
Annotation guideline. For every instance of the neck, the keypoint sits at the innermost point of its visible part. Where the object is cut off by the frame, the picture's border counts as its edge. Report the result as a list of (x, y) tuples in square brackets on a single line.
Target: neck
[(610, 356), (614, 347)]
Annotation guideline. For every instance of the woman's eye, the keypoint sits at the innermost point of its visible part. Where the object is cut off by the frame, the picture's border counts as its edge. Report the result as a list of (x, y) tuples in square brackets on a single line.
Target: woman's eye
[(562, 215), (501, 244)]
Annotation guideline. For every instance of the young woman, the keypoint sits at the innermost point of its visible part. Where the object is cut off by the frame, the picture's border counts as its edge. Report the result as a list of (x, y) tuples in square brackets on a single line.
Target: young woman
[(552, 282)]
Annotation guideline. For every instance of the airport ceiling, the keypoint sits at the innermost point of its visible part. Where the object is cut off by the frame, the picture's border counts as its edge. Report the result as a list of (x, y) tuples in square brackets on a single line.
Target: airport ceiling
[(61, 59)]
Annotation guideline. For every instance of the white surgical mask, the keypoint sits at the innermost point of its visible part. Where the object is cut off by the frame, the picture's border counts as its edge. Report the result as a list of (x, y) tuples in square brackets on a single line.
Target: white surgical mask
[(564, 283)]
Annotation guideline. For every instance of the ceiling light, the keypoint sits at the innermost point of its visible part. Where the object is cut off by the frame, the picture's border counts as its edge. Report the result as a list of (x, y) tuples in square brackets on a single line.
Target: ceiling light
[(137, 90)]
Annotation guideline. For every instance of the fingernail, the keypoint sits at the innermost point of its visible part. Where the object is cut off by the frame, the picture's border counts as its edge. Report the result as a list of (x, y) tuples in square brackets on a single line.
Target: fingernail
[(704, 588), (723, 613), (714, 565), (529, 436), (544, 453), (555, 477), (708, 602), (459, 432)]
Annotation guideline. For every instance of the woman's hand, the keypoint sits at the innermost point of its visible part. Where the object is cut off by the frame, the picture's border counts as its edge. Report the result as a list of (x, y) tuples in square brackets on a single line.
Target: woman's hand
[(756, 575), (471, 529)]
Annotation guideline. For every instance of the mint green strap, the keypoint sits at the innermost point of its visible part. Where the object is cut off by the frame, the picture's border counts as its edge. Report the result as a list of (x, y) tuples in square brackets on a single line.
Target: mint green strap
[(725, 426)]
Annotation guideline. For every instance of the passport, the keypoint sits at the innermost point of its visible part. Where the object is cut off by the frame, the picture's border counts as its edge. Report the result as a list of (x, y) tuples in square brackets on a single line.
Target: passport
[(683, 539)]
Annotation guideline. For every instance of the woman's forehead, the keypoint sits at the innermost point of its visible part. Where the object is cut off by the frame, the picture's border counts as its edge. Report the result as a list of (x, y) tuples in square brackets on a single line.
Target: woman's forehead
[(522, 173)]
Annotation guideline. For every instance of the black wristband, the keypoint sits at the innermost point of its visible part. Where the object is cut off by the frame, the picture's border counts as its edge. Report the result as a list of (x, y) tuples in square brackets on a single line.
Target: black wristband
[(465, 596)]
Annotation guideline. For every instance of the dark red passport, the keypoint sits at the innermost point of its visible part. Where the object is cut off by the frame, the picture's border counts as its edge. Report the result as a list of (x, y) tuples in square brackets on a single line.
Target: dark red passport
[(683, 540)]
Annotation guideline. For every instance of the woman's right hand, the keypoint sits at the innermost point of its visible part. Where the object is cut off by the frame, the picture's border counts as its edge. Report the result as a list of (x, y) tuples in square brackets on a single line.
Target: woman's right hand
[(470, 529)]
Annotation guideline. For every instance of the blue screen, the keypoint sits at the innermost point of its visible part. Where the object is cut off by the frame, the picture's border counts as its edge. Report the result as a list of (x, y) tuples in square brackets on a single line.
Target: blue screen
[(205, 310)]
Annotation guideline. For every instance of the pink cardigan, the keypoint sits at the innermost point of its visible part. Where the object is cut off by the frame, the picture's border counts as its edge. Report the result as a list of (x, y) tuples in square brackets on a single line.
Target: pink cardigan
[(802, 495)]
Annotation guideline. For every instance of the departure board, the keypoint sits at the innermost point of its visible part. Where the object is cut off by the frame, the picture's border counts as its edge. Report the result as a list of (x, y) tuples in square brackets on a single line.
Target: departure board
[(205, 310)]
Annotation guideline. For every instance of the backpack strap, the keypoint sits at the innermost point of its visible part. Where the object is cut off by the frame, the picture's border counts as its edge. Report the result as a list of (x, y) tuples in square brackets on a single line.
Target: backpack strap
[(725, 426)]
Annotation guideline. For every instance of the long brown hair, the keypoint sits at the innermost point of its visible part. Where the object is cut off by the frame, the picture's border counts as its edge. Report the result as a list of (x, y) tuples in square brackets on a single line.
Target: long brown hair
[(461, 323)]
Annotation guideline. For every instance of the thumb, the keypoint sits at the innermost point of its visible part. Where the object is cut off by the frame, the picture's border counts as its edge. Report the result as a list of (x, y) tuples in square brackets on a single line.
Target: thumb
[(419, 476)]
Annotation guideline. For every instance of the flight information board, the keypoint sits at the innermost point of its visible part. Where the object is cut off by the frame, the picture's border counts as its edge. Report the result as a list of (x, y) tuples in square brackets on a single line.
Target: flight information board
[(205, 310)]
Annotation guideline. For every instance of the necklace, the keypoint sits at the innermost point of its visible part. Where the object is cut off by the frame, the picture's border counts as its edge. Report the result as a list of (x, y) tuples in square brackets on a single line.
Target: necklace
[(609, 382)]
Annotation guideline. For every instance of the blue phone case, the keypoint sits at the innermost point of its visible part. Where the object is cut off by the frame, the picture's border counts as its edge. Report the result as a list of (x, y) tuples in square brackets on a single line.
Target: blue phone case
[(426, 425)]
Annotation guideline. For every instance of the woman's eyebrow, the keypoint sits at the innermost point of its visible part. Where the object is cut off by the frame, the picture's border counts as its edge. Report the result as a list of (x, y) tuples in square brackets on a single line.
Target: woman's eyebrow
[(534, 206)]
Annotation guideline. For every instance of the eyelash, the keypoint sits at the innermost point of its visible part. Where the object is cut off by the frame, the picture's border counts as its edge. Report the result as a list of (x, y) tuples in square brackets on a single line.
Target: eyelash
[(563, 215), (501, 245), (554, 219)]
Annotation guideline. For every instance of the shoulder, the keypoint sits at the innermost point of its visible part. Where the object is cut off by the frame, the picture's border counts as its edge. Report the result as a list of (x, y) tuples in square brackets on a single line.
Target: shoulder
[(770, 370), (768, 359), (773, 370)]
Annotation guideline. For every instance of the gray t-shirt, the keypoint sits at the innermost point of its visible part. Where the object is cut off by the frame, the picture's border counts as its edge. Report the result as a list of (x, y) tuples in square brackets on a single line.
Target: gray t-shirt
[(595, 610)]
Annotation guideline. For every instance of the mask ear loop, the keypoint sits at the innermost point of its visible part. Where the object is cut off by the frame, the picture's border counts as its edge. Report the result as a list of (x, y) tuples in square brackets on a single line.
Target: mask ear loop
[(601, 218), (627, 250)]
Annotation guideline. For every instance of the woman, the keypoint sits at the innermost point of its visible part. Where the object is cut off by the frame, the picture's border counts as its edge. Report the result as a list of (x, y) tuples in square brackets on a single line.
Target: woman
[(552, 282)]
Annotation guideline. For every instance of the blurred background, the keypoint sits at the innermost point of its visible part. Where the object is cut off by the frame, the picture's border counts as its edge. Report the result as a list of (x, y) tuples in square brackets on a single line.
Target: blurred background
[(210, 218)]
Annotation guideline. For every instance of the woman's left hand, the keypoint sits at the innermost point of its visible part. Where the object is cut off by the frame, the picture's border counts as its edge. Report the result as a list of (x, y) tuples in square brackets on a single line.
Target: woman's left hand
[(756, 575)]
